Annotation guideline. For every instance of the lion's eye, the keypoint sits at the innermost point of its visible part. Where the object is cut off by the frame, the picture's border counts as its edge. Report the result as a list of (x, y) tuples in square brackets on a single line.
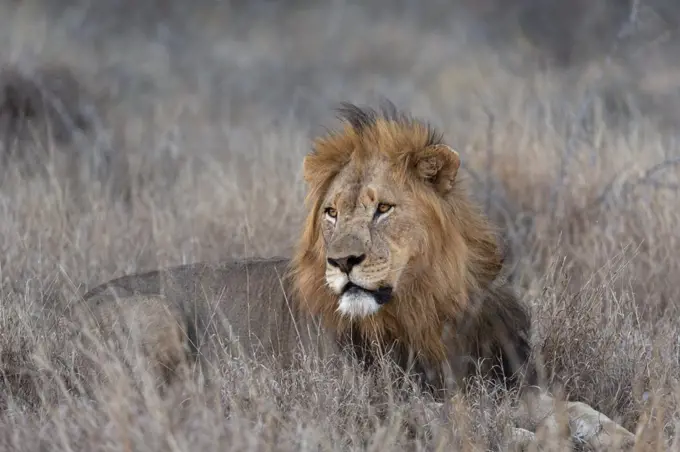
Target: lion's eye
[(383, 208), (331, 212)]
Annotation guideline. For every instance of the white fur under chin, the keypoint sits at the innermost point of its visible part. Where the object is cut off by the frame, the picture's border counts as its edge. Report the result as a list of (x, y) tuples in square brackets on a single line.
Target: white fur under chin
[(336, 281), (357, 304)]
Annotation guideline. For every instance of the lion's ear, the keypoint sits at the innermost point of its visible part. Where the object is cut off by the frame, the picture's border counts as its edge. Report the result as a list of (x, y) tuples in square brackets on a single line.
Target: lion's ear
[(438, 165)]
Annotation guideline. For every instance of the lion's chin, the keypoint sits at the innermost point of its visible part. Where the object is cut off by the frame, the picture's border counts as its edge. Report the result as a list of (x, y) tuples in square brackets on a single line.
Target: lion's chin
[(357, 302)]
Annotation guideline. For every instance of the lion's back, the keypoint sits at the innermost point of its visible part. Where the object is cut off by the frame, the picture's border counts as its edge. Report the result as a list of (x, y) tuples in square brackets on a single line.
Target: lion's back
[(244, 304)]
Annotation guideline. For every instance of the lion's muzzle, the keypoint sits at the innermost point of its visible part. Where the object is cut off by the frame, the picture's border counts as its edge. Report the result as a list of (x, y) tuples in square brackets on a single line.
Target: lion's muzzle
[(347, 263), (354, 279)]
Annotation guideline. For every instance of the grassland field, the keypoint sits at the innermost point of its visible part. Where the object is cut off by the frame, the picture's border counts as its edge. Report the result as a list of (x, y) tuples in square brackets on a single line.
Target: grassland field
[(145, 134)]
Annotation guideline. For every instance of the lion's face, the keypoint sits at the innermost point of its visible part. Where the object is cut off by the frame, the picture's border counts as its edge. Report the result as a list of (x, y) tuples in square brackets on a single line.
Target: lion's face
[(371, 233)]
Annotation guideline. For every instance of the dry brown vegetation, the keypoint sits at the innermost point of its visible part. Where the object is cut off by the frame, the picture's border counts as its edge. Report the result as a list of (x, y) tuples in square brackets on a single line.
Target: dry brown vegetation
[(144, 136)]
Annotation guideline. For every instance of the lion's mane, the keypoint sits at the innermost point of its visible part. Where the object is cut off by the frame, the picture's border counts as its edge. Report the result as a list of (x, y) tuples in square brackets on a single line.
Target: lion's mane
[(461, 248)]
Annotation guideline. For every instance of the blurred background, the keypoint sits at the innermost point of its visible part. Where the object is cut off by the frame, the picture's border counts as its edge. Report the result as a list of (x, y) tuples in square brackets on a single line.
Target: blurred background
[(213, 104), (142, 133)]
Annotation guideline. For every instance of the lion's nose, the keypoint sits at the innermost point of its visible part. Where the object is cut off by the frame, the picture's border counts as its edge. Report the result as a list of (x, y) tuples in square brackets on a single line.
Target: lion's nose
[(346, 263)]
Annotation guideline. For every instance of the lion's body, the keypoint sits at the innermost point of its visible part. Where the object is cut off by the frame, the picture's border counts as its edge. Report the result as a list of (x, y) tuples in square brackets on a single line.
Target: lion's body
[(246, 303), (392, 254), (251, 306)]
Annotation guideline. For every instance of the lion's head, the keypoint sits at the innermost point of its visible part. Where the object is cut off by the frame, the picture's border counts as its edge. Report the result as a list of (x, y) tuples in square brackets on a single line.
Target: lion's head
[(391, 243)]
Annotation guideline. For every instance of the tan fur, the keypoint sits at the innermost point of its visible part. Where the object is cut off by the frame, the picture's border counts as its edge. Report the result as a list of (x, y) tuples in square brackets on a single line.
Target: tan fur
[(434, 250), (243, 305), (141, 323)]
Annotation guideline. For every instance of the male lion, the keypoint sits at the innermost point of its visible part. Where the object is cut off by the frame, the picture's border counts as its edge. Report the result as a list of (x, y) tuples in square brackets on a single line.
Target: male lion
[(393, 257)]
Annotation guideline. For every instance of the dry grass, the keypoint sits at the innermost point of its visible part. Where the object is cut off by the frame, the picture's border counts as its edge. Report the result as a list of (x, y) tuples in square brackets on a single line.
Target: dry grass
[(212, 111)]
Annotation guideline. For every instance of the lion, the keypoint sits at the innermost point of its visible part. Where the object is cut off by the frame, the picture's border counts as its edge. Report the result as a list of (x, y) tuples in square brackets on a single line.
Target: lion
[(393, 258)]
